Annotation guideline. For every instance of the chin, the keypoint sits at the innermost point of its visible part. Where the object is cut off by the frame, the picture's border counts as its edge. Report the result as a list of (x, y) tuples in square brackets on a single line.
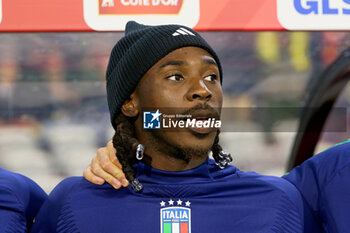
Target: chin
[(195, 140), (184, 144)]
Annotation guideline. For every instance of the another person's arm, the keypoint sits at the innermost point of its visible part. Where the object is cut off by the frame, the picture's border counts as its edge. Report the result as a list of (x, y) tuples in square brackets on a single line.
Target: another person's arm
[(56, 213), (106, 167), (20, 200), (324, 182)]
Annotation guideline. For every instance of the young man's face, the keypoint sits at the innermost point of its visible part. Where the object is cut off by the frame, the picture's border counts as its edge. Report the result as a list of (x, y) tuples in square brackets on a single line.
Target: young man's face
[(186, 80)]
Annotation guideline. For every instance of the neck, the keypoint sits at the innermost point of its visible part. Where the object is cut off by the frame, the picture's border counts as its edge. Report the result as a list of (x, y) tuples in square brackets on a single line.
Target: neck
[(166, 157), (165, 162)]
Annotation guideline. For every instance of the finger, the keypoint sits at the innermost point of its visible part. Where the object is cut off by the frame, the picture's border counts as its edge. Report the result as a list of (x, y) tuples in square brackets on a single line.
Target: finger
[(90, 176), (112, 153), (100, 172), (111, 168)]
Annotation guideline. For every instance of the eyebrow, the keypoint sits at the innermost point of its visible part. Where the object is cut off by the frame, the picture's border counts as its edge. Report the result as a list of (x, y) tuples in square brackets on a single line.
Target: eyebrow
[(210, 62)]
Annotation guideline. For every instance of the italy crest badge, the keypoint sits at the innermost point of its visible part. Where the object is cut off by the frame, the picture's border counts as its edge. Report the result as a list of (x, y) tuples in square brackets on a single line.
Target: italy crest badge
[(174, 217)]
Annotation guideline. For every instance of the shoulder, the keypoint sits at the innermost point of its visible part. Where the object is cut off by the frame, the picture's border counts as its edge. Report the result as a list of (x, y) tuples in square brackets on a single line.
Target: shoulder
[(289, 202), (67, 183), (258, 185), (16, 188), (63, 193), (275, 183), (56, 206), (325, 166), (74, 190), (324, 183), (276, 188), (72, 201), (11, 189), (254, 180), (20, 199), (274, 196), (74, 187), (67, 189), (335, 157)]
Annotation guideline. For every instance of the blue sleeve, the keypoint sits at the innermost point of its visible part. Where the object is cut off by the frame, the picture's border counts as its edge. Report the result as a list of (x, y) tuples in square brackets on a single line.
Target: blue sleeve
[(305, 179), (55, 209), (335, 205), (324, 182), (291, 211), (33, 201), (20, 200)]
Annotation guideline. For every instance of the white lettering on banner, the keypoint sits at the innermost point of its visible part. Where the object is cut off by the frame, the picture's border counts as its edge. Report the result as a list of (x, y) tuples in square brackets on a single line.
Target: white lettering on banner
[(314, 14), (107, 17), (0, 11), (135, 2), (107, 3), (147, 2)]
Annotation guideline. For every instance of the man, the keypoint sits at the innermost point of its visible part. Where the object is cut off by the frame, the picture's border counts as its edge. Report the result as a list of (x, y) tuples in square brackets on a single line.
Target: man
[(170, 69), (323, 181), (20, 200)]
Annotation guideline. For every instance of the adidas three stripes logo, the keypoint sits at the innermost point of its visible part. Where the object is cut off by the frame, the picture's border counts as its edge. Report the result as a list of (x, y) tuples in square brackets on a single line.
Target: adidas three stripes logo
[(183, 31)]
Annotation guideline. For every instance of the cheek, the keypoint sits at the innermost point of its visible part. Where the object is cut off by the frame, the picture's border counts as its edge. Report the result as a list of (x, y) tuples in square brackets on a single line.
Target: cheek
[(171, 98), (150, 100), (218, 95), (220, 100), (163, 97)]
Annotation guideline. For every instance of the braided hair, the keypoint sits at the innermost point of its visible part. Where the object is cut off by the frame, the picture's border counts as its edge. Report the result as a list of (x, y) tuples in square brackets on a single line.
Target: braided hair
[(125, 142)]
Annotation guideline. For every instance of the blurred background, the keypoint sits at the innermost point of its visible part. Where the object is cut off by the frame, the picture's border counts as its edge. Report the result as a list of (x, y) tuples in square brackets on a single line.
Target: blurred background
[(54, 114)]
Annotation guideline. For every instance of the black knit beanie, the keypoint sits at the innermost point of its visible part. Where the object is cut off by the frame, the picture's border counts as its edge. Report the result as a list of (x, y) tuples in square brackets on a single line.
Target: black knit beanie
[(140, 48)]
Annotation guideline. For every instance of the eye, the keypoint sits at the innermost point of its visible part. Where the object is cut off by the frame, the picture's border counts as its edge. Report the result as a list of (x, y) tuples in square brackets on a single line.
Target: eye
[(175, 77), (211, 78)]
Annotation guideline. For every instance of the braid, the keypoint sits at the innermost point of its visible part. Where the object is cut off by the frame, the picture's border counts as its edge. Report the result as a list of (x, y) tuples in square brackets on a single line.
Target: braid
[(216, 148), (125, 143), (221, 158)]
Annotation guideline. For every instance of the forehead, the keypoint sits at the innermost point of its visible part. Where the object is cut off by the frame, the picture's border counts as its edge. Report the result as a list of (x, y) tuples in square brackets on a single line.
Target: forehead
[(186, 57)]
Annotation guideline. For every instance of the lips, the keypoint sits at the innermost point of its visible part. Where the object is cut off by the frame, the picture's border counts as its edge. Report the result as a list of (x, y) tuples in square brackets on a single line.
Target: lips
[(201, 119), (203, 116), (201, 130)]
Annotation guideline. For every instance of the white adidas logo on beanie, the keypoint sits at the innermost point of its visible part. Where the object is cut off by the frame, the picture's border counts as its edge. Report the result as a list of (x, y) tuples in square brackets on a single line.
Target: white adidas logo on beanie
[(183, 31)]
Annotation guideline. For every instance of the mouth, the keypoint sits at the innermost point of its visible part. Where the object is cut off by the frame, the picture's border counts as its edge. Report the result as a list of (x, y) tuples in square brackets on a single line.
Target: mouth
[(201, 130), (203, 122), (201, 118), (204, 114)]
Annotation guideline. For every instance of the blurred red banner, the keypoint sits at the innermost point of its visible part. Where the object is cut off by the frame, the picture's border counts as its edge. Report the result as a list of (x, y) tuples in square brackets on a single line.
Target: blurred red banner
[(107, 7), (89, 15)]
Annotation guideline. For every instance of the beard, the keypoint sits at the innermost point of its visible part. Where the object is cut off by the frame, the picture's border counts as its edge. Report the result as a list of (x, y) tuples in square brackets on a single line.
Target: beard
[(178, 151)]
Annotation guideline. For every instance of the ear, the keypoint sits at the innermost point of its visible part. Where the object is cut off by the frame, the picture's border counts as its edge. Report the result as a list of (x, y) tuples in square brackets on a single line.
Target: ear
[(130, 106)]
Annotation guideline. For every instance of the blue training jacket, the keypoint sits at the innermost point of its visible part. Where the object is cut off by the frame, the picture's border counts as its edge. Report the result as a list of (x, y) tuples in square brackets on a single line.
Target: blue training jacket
[(205, 199), (20, 200), (324, 182)]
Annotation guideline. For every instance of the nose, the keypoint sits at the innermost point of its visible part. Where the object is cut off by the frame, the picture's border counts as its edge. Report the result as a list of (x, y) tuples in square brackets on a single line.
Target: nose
[(198, 91)]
